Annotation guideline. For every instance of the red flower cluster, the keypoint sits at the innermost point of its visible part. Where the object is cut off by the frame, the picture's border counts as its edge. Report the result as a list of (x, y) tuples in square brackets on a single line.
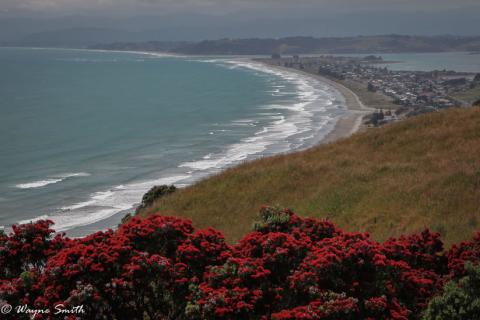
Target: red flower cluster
[(462, 253), (288, 268)]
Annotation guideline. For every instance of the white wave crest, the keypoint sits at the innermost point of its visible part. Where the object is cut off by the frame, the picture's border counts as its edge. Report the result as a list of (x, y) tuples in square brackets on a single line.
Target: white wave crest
[(50, 180), (294, 118), (102, 205)]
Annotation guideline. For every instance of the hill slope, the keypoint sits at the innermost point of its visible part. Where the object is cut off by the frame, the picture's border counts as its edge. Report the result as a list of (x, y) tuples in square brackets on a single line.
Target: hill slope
[(398, 179)]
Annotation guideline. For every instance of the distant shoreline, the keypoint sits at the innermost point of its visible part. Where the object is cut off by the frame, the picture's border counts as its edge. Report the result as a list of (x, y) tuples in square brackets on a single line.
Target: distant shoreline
[(347, 124)]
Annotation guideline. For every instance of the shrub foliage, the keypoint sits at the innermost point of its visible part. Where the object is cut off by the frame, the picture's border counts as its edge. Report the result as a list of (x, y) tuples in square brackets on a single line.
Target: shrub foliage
[(287, 268), (155, 193), (460, 299)]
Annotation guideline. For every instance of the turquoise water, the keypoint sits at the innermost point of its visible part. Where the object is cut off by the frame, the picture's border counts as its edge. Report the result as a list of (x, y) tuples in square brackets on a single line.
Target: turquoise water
[(84, 134)]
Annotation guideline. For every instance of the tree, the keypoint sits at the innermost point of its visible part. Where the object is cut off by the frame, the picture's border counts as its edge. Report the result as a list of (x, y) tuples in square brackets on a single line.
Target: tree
[(459, 301), (276, 56), (154, 194)]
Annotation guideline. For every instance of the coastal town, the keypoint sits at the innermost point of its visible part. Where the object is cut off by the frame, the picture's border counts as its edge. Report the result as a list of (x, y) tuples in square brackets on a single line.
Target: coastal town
[(410, 92)]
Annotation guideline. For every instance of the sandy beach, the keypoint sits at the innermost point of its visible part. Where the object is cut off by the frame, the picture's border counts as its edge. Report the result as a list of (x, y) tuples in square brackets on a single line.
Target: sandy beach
[(347, 124), (350, 122)]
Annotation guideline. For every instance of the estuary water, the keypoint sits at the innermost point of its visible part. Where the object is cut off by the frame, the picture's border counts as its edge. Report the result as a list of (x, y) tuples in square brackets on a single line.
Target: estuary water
[(429, 61)]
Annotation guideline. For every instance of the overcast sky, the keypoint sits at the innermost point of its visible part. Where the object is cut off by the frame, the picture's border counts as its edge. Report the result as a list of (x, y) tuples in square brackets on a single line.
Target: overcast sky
[(230, 6), (202, 19)]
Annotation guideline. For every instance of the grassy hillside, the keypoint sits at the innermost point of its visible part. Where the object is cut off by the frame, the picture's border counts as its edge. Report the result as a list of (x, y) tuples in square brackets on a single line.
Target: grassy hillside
[(398, 179)]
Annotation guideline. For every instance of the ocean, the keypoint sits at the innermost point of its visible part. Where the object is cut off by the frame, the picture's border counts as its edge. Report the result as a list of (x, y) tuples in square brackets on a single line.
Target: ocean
[(84, 134)]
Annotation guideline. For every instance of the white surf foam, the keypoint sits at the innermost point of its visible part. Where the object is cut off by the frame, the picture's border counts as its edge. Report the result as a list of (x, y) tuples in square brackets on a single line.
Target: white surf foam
[(50, 180), (102, 205), (294, 118), (37, 184)]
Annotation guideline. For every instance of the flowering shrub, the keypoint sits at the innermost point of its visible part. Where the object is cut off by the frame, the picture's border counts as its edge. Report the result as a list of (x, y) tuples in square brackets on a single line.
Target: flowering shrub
[(329, 306), (458, 255), (287, 268), (420, 251), (28, 247)]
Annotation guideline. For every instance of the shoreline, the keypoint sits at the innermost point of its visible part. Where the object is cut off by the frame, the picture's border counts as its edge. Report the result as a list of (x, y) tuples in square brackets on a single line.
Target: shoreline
[(344, 125), (347, 124)]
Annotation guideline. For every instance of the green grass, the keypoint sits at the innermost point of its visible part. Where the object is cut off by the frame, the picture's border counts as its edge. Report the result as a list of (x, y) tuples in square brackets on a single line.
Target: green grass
[(422, 172), (470, 96)]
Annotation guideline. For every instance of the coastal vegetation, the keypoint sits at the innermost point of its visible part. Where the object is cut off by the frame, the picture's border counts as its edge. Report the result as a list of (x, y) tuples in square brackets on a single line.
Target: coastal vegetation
[(459, 300), (421, 172), (155, 193), (472, 95), (287, 268)]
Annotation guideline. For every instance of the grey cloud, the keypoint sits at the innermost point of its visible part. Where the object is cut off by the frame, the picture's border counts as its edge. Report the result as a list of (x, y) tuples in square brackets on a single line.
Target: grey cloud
[(206, 19), (225, 6)]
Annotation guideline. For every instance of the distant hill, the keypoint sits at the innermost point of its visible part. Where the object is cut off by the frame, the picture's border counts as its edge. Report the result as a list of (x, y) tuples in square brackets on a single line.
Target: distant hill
[(74, 37), (365, 44), (424, 171), (310, 45), (115, 39)]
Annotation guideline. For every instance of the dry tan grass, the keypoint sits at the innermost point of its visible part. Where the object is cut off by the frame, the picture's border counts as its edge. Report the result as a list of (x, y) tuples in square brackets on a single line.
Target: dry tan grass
[(423, 172)]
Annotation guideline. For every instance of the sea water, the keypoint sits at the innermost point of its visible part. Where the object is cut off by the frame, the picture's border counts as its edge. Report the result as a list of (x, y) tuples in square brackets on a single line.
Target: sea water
[(84, 134)]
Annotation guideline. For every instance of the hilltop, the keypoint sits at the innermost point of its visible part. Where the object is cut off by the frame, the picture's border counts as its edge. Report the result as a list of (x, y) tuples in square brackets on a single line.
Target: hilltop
[(421, 172)]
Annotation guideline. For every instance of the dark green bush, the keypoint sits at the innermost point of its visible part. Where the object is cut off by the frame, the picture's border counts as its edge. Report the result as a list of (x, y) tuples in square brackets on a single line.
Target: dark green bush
[(460, 300), (155, 193)]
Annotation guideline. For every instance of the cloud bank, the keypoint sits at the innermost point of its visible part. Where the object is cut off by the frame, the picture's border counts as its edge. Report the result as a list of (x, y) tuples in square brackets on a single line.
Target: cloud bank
[(230, 6)]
